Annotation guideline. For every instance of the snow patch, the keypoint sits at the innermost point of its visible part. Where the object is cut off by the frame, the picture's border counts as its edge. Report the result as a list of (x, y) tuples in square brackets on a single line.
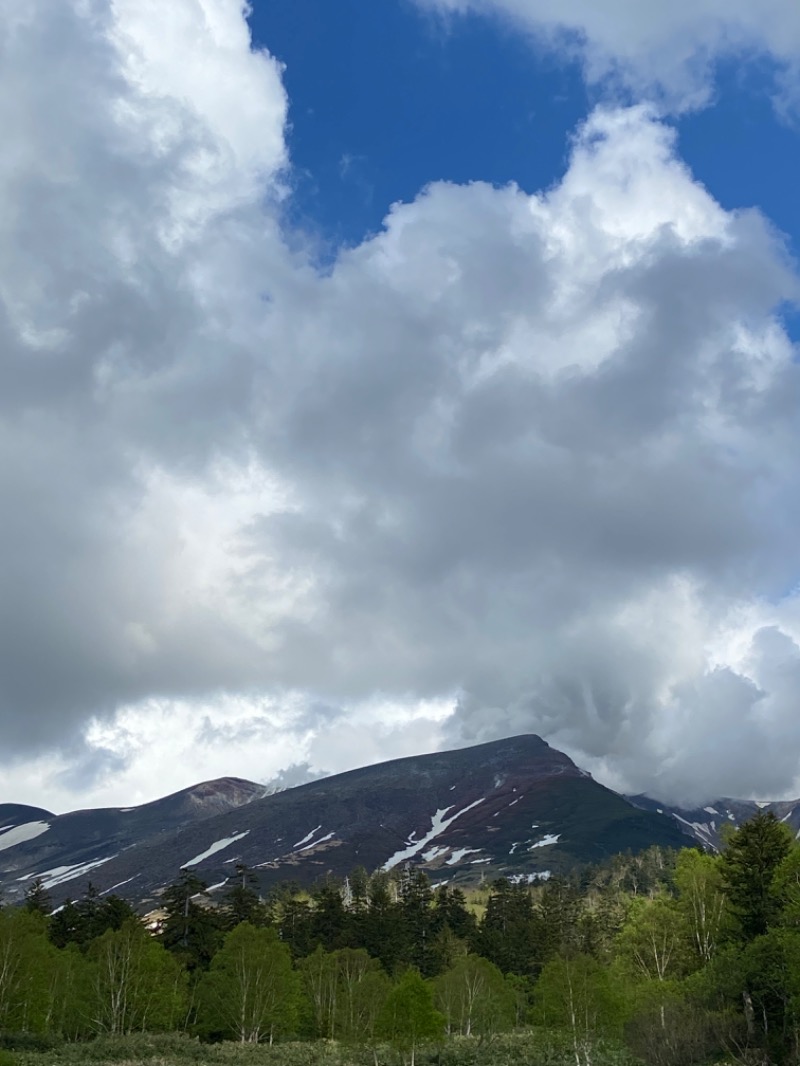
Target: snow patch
[(218, 846), (761, 804), (459, 854), (434, 852), (307, 837), (19, 834), (710, 810), (119, 884), (222, 884), (549, 838), (314, 843), (438, 825), (698, 827), (59, 874)]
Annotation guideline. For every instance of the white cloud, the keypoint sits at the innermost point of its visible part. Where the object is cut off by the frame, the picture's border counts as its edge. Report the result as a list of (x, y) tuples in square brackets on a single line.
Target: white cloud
[(534, 450), (666, 49)]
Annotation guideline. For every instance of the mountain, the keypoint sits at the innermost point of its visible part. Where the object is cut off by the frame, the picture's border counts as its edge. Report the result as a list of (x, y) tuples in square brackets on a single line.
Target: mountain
[(515, 808), (19, 823), (64, 848), (704, 824)]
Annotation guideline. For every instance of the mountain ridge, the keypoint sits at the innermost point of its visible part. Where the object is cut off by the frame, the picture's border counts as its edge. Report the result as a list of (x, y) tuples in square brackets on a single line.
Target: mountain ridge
[(514, 807)]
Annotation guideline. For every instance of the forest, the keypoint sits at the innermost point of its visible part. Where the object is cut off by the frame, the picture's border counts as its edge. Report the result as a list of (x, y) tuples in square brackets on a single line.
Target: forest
[(661, 958)]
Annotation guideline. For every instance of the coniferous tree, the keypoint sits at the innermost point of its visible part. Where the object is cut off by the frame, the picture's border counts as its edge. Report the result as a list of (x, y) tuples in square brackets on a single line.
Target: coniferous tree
[(37, 898), (242, 901), (748, 867), (418, 923), (506, 935), (87, 919), (330, 920), (383, 929), (294, 926), (190, 930)]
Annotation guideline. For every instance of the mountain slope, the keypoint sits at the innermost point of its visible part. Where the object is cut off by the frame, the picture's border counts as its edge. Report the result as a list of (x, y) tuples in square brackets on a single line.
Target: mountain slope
[(514, 808), (65, 848), (704, 824)]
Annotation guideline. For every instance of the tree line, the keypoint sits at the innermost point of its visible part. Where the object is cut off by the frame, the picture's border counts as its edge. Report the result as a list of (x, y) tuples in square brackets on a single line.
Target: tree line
[(683, 957)]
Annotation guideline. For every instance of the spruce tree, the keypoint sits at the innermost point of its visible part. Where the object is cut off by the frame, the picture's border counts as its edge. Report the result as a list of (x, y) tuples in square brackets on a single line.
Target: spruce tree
[(37, 898), (748, 868), (190, 930)]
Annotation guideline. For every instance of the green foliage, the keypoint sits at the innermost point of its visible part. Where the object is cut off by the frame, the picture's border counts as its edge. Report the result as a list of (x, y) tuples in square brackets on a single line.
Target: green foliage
[(655, 940), (82, 922), (136, 985), (250, 992), (37, 898), (191, 931), (749, 866), (507, 936), (475, 999), (242, 902), (701, 898), (31, 977), (409, 1017), (346, 991), (580, 997)]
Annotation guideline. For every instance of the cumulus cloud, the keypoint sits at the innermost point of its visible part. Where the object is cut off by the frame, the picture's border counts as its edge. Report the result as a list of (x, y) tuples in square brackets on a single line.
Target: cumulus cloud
[(123, 181), (666, 50), (519, 462)]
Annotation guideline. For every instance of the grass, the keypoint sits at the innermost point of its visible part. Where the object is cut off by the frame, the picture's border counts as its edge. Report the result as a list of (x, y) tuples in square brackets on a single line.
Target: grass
[(523, 1048)]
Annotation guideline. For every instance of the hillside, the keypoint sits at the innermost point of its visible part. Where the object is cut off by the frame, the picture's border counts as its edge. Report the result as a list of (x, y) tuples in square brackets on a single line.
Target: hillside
[(515, 808)]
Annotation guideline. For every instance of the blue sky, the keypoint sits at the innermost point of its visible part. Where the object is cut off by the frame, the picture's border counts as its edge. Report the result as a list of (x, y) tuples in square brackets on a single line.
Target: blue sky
[(386, 97)]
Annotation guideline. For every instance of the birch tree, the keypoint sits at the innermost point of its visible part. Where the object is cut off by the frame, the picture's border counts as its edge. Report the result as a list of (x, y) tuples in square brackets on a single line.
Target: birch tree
[(251, 991), (137, 985)]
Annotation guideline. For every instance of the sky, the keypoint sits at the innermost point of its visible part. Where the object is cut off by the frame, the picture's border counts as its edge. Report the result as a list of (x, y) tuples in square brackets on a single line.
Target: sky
[(378, 378)]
